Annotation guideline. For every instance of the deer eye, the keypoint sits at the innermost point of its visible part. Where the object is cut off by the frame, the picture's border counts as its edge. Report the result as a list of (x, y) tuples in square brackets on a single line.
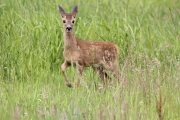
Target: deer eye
[(73, 21), (64, 21)]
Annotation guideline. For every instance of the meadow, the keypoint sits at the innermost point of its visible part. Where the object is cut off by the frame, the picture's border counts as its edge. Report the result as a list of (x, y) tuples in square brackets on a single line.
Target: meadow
[(32, 86)]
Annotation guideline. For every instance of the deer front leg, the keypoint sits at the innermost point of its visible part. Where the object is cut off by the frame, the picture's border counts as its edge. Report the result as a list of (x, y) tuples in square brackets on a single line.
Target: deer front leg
[(79, 73), (63, 68)]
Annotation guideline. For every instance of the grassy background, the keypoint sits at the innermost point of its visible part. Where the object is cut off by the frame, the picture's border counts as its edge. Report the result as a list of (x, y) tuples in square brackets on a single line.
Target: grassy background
[(31, 41)]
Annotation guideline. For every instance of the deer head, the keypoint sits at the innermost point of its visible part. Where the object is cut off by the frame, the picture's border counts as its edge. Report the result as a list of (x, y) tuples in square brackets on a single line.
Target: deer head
[(68, 18)]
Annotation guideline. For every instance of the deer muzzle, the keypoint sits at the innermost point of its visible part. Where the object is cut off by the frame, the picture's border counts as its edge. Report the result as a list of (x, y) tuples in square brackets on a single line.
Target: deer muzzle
[(68, 29)]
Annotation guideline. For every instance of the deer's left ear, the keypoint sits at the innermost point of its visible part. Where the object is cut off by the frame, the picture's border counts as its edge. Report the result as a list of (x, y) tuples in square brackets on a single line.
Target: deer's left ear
[(75, 10)]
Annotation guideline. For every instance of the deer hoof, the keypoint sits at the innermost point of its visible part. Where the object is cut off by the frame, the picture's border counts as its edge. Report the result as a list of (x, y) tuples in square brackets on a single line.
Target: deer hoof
[(77, 85), (69, 84)]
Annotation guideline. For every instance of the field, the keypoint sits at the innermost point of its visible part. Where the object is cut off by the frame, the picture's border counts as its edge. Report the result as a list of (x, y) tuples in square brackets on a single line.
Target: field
[(32, 86)]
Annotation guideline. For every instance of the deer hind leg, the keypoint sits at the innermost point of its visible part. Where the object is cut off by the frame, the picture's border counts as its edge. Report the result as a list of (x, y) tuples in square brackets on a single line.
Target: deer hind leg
[(114, 70), (63, 69), (104, 76), (79, 74)]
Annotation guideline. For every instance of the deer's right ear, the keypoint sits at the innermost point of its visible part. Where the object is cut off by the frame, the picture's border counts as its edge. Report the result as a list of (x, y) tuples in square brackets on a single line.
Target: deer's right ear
[(61, 11)]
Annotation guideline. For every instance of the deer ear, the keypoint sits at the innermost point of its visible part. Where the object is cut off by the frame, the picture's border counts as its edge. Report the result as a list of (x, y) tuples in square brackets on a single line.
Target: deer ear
[(75, 10), (61, 10)]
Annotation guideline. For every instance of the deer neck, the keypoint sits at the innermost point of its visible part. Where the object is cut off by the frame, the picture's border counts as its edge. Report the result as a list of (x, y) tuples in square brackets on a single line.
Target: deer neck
[(70, 42)]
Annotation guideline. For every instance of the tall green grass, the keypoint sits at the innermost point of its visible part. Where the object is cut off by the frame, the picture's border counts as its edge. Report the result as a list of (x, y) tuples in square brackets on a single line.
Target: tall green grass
[(31, 39)]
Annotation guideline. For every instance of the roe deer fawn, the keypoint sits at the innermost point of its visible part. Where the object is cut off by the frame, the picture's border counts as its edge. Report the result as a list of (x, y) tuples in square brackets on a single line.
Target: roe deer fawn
[(99, 55)]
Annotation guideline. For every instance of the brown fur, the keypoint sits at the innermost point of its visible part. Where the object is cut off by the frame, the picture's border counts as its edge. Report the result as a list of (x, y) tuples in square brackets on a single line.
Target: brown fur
[(82, 54)]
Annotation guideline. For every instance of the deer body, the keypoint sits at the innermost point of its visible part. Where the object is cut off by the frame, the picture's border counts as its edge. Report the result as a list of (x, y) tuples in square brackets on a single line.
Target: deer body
[(82, 54), (89, 53)]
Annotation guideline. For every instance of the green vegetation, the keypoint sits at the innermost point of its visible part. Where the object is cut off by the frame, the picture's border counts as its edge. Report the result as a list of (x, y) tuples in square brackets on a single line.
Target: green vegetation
[(32, 86)]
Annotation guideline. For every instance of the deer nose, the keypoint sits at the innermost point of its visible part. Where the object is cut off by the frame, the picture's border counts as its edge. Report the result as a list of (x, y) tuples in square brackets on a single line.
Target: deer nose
[(68, 29)]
